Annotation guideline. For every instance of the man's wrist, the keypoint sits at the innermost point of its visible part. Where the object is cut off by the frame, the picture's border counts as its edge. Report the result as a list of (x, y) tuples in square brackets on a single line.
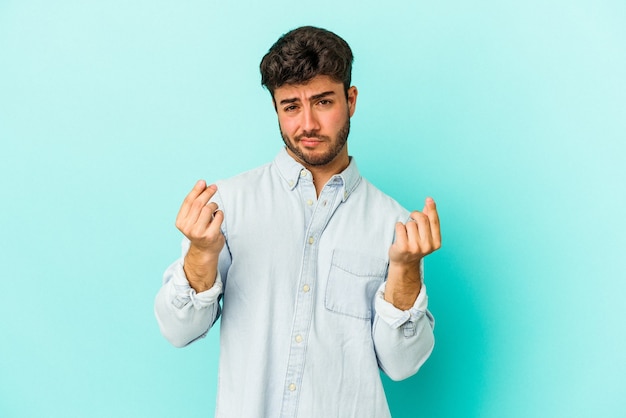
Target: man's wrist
[(404, 283), (200, 267)]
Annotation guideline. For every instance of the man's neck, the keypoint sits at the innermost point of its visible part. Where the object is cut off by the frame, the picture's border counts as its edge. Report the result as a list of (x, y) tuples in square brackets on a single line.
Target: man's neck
[(322, 173)]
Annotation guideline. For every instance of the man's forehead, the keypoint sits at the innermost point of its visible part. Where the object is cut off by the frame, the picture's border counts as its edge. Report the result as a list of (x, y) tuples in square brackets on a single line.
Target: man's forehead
[(321, 84)]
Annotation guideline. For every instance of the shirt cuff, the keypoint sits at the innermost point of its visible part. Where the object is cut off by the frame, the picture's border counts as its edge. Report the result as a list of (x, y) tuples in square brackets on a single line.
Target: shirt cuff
[(395, 317), (183, 293)]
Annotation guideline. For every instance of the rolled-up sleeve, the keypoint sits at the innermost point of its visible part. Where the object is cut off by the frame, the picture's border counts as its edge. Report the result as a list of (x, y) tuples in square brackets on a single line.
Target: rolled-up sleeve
[(403, 339), (182, 314)]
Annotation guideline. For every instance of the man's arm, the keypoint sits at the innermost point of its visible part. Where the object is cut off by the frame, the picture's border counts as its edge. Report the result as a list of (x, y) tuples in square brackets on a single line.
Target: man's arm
[(403, 327), (200, 222), (414, 240), (188, 303)]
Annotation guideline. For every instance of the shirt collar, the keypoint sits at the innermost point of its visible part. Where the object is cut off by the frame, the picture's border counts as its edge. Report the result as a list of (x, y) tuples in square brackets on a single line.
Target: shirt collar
[(290, 170)]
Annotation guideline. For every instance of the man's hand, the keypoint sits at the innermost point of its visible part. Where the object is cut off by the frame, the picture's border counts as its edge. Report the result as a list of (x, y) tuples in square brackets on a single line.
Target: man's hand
[(200, 222), (414, 240)]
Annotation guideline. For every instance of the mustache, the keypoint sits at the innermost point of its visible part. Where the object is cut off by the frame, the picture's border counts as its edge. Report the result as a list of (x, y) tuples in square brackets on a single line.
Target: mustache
[(311, 134)]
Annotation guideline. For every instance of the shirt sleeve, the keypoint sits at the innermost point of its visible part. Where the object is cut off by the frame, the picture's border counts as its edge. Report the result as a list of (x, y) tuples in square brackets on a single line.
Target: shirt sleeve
[(403, 339), (396, 318), (182, 314)]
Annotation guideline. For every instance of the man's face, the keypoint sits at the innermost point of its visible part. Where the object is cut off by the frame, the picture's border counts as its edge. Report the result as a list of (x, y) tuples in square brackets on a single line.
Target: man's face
[(314, 120)]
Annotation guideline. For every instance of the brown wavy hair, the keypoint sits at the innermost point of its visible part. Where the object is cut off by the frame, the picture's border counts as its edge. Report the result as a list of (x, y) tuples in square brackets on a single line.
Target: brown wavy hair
[(304, 53)]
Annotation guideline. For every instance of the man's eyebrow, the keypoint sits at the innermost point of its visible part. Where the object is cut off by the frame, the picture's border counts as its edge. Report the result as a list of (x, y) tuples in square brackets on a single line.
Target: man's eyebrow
[(312, 98), (321, 95), (287, 101)]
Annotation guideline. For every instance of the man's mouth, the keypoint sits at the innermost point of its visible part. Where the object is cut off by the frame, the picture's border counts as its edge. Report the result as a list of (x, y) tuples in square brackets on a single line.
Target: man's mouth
[(310, 142)]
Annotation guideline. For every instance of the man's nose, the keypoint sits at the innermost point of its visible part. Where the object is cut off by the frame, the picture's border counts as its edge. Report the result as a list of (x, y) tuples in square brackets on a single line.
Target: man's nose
[(309, 120)]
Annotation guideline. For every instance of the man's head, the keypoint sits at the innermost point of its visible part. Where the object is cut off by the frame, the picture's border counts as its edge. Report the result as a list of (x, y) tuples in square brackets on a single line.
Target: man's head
[(304, 53), (307, 72)]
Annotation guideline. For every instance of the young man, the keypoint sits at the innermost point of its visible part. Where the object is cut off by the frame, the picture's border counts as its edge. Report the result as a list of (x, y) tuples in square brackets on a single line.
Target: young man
[(317, 275)]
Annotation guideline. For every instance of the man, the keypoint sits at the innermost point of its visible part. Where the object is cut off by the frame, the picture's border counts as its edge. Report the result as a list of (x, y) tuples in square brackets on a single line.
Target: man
[(316, 274)]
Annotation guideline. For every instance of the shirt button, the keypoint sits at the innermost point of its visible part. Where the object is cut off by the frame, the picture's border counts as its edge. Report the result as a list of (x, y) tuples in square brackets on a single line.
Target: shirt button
[(290, 183), (309, 202), (292, 387), (303, 173), (298, 338), (311, 240), (306, 288)]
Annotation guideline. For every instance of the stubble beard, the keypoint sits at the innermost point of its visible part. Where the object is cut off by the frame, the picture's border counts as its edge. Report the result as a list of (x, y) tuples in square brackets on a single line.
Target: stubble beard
[(319, 160)]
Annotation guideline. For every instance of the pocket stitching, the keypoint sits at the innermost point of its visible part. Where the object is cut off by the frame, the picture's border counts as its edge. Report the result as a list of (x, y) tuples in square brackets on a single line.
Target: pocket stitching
[(375, 275)]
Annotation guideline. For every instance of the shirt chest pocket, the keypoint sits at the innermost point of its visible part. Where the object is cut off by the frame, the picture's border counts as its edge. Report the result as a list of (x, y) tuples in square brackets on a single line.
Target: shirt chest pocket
[(352, 283)]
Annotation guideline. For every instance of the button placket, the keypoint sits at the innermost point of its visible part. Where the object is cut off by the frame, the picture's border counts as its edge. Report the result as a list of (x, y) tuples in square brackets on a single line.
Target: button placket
[(317, 218)]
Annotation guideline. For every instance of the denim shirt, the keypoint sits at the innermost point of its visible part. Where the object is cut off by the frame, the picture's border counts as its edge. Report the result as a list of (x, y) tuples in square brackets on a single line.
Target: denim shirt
[(300, 290)]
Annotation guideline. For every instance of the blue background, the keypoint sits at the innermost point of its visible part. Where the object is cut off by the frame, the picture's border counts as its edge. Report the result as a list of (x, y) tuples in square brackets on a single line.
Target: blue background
[(511, 114)]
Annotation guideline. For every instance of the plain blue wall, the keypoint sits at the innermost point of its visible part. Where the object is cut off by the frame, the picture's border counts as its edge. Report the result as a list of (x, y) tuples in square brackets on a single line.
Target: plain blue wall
[(511, 114)]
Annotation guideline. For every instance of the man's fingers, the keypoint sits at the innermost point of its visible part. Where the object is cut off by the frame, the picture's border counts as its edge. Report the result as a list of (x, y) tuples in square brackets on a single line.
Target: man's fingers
[(401, 234), (194, 202), (206, 195), (216, 223), (211, 206), (421, 225), (197, 189), (413, 230), (205, 218), (430, 210)]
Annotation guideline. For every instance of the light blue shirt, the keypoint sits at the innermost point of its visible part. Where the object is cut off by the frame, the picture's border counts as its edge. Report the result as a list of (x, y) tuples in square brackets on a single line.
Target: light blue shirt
[(300, 291)]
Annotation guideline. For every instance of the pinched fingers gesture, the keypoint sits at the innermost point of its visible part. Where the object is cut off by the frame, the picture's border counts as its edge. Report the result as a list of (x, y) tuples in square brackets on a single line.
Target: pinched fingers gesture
[(200, 220), (417, 238)]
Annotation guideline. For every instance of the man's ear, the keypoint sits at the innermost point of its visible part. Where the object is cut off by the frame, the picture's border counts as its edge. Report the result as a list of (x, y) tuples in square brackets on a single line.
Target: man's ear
[(352, 95)]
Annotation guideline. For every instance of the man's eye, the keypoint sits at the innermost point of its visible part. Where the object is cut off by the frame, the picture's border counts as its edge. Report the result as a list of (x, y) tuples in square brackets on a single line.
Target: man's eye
[(290, 108), (324, 102)]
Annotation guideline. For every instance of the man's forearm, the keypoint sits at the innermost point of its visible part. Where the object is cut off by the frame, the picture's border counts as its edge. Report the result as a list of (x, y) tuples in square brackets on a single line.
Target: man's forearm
[(200, 269), (404, 283)]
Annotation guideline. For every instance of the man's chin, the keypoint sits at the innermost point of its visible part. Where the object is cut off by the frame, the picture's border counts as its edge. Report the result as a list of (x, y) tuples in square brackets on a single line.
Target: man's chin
[(315, 159), (312, 159)]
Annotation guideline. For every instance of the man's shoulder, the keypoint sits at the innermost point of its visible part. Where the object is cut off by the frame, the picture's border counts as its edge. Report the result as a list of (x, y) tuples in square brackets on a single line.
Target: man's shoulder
[(263, 179), (380, 200), (248, 176)]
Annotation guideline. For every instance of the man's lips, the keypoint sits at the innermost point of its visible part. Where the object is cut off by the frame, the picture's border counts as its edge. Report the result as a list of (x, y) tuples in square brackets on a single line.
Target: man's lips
[(310, 142)]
